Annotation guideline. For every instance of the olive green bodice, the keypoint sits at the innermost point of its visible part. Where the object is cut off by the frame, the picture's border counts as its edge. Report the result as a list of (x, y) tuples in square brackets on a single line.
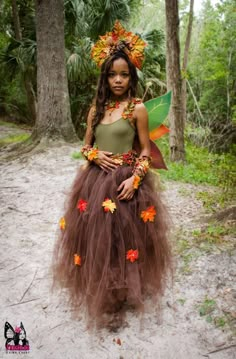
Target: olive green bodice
[(116, 137)]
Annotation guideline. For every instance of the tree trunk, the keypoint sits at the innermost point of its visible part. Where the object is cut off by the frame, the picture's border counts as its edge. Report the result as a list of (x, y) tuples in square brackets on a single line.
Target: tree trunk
[(53, 111), (177, 152), (185, 61), (16, 21)]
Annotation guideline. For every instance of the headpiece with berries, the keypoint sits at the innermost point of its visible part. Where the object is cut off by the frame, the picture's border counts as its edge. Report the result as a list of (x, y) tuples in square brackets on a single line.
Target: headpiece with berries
[(119, 40)]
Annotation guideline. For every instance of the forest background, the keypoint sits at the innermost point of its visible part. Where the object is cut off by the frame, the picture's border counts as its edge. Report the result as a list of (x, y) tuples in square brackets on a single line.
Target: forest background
[(209, 128), (39, 150)]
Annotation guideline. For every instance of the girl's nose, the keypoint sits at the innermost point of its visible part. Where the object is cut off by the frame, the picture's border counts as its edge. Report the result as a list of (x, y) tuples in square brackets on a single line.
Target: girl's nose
[(118, 79)]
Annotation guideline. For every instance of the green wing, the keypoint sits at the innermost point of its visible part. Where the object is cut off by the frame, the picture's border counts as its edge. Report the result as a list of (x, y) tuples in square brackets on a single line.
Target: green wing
[(158, 109)]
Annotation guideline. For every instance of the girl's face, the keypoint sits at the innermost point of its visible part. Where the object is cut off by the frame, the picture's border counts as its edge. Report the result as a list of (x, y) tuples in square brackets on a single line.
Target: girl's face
[(119, 77)]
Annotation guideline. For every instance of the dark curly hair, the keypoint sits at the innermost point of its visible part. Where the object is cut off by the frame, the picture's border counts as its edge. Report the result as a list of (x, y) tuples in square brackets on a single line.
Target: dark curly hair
[(103, 90)]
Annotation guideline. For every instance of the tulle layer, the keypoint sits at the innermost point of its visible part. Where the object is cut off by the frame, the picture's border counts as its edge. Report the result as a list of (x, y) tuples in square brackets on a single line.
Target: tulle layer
[(105, 276)]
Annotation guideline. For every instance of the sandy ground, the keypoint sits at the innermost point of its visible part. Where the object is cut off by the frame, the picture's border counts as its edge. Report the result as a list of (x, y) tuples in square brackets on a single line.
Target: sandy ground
[(32, 197)]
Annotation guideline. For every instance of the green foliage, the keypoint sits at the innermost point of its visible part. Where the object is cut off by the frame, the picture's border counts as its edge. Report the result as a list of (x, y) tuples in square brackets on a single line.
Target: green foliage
[(8, 124), (212, 314), (152, 77), (220, 322), (226, 173), (14, 139), (213, 234), (211, 200), (102, 14), (181, 301), (212, 72), (13, 98), (17, 61), (198, 168), (77, 156), (207, 307), (213, 237), (151, 15), (201, 167)]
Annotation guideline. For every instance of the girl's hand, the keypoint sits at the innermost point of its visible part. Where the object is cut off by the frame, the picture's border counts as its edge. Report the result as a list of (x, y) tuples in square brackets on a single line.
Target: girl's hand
[(104, 161), (127, 189)]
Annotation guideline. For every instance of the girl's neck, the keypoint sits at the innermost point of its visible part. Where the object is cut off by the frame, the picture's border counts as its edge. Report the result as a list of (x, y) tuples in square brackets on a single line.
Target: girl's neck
[(120, 99)]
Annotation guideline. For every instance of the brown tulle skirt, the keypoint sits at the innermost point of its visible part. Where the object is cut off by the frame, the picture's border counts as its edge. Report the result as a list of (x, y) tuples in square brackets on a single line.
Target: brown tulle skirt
[(101, 277)]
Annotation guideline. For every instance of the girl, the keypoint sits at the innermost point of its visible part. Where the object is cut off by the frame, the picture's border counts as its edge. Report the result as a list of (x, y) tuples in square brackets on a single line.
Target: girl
[(113, 248)]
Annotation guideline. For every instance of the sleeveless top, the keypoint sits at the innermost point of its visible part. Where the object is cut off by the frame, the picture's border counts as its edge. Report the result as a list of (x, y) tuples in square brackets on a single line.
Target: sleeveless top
[(117, 137)]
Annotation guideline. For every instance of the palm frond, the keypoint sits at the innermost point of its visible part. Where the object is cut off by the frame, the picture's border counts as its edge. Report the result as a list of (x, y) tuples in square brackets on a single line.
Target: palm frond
[(79, 63), (18, 56), (103, 14)]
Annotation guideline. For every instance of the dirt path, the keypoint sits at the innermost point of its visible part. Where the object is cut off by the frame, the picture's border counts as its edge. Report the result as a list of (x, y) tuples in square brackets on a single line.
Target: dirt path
[(32, 197)]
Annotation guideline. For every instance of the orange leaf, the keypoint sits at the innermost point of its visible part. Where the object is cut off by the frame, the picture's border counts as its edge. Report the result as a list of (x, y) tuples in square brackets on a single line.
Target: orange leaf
[(158, 132), (149, 214), (137, 181), (92, 154), (77, 259), (62, 223)]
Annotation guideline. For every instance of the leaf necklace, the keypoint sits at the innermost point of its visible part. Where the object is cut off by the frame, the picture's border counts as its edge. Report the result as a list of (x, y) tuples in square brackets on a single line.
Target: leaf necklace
[(128, 109)]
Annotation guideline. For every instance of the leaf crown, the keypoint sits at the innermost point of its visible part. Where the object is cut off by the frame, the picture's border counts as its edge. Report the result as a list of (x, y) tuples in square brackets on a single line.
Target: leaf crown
[(119, 40)]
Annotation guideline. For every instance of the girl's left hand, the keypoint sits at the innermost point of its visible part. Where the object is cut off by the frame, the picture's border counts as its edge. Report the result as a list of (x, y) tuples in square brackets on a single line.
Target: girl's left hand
[(127, 189)]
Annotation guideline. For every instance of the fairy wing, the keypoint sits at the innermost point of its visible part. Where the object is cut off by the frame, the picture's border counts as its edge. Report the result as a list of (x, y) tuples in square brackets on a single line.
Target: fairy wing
[(158, 109), (9, 332), (157, 158)]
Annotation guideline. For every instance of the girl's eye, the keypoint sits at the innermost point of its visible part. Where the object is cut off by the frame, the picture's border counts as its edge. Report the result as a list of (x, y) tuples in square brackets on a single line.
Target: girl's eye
[(112, 74)]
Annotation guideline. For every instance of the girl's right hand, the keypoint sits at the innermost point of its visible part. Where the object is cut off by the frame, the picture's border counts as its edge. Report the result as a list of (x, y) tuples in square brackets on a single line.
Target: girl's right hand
[(104, 161)]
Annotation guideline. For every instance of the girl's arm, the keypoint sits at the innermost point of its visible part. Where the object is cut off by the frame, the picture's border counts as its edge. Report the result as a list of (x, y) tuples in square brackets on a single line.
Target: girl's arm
[(89, 138), (127, 187), (141, 118)]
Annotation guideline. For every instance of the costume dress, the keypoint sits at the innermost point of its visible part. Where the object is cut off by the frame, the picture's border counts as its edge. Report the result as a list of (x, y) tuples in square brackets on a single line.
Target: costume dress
[(107, 255)]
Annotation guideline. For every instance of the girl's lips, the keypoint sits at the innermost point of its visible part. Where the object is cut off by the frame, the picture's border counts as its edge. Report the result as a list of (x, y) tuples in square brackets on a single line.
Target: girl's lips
[(118, 88)]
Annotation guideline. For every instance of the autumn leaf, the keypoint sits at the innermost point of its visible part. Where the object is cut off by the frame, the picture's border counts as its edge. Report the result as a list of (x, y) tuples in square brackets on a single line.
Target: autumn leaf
[(62, 223), (92, 154), (108, 205), (132, 255), (132, 45), (137, 181), (82, 205), (77, 259), (149, 214)]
